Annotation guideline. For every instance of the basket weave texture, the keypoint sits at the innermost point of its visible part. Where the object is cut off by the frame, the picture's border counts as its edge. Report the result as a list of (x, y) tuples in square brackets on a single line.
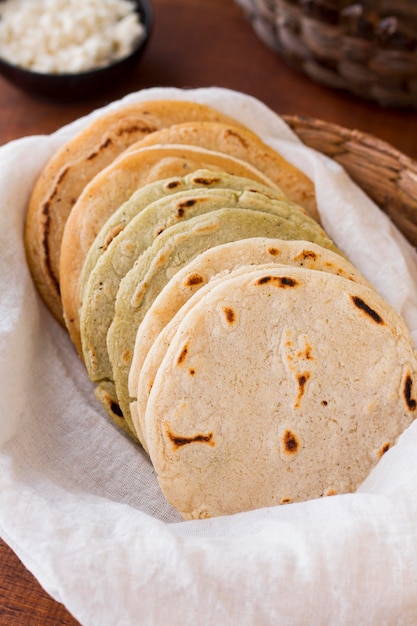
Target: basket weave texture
[(368, 48), (388, 176)]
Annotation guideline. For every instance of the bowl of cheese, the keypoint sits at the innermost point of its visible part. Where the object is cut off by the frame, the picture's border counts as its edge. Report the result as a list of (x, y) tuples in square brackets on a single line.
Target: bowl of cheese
[(71, 49)]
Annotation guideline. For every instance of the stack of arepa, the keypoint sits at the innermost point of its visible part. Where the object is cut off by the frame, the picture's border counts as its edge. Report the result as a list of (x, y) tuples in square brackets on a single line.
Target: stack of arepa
[(224, 330)]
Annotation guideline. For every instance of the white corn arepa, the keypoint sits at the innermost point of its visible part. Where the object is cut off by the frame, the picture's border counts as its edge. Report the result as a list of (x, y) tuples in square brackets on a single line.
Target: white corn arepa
[(138, 223), (109, 189), (279, 386), (147, 373), (71, 168), (171, 250), (162, 318)]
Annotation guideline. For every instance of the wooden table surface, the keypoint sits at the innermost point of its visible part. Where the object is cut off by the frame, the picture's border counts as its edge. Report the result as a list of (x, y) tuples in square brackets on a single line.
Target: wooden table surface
[(195, 43)]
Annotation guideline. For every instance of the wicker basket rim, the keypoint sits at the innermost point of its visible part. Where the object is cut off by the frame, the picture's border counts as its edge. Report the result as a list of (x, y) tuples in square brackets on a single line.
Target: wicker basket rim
[(387, 175)]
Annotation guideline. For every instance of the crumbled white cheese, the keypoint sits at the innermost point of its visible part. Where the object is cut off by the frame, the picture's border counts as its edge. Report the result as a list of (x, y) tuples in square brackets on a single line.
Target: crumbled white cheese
[(67, 36)]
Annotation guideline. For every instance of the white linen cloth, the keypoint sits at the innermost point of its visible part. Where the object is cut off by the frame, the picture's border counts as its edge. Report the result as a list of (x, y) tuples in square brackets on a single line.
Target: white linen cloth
[(80, 503)]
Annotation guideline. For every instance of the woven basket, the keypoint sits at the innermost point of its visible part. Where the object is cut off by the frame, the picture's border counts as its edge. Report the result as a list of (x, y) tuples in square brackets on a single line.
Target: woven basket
[(385, 174), (368, 48)]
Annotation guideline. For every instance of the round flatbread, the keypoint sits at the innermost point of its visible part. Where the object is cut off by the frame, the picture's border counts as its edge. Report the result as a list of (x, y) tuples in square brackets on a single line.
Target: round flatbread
[(242, 144), (146, 374), (110, 189), (189, 284), (175, 247), (76, 163), (279, 386), (100, 291)]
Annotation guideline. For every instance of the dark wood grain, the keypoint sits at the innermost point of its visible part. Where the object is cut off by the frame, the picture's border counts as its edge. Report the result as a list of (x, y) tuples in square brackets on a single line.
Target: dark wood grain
[(23, 602), (194, 44)]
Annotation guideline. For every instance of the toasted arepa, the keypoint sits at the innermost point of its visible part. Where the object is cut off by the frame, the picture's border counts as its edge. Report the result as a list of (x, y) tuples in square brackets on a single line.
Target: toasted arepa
[(279, 386), (167, 310), (141, 378)]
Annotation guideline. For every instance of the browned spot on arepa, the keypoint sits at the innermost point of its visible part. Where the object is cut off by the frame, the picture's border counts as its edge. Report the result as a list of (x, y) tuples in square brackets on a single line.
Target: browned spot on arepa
[(408, 393), (230, 315), (182, 440), (278, 281), (369, 311), (305, 255), (182, 355), (274, 251), (290, 443), (194, 279), (302, 380)]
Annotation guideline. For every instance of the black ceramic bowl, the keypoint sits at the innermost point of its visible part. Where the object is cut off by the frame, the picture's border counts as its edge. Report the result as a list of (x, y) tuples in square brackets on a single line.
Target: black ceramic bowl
[(70, 87)]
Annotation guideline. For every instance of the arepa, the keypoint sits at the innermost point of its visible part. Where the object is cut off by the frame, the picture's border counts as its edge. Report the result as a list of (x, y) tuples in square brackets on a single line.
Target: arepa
[(146, 374), (159, 324), (279, 386)]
